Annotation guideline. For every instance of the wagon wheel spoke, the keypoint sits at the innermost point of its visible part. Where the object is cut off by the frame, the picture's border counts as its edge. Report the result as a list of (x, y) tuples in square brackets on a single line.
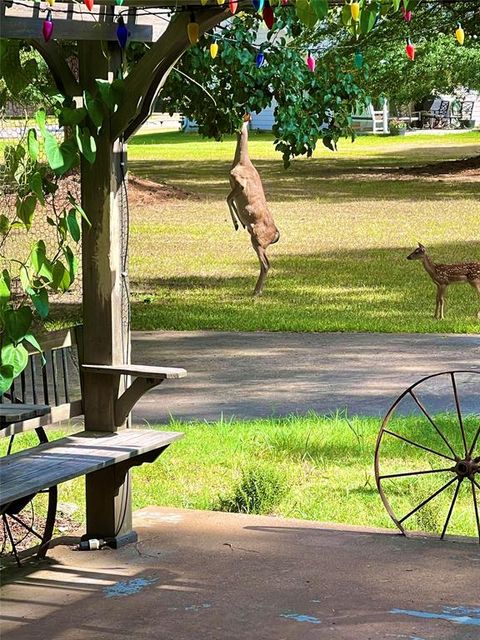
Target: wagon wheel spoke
[(420, 446), (42, 530), (475, 506), (470, 452), (452, 505), (26, 526), (429, 418), (414, 473), (459, 412), (12, 541), (424, 502)]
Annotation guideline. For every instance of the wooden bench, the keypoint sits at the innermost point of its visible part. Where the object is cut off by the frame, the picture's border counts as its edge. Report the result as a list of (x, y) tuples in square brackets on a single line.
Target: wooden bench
[(55, 379)]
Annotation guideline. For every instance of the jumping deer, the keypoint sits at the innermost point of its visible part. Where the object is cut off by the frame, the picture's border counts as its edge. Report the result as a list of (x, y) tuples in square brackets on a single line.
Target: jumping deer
[(247, 204), (445, 274)]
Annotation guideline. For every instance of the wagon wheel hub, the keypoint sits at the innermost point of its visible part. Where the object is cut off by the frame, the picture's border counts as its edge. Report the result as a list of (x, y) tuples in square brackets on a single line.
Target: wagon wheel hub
[(466, 468)]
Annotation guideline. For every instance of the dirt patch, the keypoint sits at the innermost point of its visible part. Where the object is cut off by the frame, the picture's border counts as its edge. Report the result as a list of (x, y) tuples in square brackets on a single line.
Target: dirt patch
[(464, 169), (142, 192)]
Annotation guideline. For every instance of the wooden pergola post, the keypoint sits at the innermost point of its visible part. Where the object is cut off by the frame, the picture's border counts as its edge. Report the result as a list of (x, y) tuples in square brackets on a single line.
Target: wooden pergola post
[(106, 335)]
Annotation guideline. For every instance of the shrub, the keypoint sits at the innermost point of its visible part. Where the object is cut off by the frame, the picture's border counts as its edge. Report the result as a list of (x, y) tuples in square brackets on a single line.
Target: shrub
[(259, 491)]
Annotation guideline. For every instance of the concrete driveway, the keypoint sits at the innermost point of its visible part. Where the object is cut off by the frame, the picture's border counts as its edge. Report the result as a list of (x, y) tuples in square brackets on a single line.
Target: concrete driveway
[(265, 374), (216, 576)]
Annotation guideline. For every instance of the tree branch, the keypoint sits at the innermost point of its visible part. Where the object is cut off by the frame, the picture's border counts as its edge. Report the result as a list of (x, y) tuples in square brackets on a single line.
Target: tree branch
[(61, 72), (149, 75)]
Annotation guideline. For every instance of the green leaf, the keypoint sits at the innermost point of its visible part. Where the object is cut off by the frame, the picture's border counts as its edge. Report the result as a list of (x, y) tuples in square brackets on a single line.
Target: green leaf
[(320, 7), (26, 209), (17, 323), (346, 15), (52, 151), (117, 90), (38, 255), (36, 185), (306, 13), (86, 143), (30, 338), (106, 93), (6, 377), (40, 301), (396, 4), (73, 225), (71, 117), (72, 262), (61, 277), (61, 157), (4, 224), (32, 144), (367, 20), (40, 118), (78, 208), (15, 356), (25, 278), (94, 108), (4, 288)]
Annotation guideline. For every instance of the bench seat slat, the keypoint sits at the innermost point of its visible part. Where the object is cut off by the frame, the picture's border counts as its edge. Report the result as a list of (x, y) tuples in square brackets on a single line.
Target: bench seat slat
[(140, 371), (46, 465)]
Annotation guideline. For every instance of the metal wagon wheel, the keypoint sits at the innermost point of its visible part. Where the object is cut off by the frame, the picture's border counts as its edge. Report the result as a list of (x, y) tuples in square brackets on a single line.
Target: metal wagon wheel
[(28, 523), (443, 482)]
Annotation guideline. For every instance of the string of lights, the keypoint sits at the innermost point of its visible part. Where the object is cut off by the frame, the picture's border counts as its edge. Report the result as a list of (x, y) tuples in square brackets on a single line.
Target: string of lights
[(261, 7)]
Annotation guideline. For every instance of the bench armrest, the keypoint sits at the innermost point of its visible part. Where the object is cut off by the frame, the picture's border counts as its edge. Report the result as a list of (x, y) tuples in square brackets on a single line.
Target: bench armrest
[(137, 371), (145, 378)]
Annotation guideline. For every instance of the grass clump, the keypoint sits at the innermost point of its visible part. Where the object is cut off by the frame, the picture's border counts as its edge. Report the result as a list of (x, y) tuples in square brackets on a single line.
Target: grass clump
[(259, 491)]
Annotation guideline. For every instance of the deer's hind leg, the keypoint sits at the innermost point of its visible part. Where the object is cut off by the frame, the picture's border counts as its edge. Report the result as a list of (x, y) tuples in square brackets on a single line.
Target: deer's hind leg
[(264, 266), (476, 285)]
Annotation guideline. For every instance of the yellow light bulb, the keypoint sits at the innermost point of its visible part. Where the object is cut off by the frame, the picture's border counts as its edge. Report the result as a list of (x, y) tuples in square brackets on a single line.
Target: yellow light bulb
[(214, 49), (460, 34), (192, 31), (355, 11), (203, 2), (220, 1), (50, 3)]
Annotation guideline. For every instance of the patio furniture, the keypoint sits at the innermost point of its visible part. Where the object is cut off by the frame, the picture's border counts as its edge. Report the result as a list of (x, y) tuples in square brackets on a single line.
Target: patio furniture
[(31, 474), (436, 118)]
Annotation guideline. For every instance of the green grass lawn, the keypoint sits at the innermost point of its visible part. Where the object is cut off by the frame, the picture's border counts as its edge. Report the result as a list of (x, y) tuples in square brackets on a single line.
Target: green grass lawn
[(347, 222), (311, 467)]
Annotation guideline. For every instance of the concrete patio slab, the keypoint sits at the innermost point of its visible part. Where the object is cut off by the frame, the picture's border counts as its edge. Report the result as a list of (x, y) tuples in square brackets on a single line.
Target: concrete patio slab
[(214, 576), (273, 374)]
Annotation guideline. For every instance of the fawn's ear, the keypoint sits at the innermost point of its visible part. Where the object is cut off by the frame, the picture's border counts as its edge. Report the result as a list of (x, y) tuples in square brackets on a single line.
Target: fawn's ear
[(420, 246)]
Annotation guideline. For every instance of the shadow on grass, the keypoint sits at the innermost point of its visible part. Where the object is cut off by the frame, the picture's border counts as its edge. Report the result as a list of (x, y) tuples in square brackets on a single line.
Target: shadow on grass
[(349, 290), (326, 179), (354, 290)]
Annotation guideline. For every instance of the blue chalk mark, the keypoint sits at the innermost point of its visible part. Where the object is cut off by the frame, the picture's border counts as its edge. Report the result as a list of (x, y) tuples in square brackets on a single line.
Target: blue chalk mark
[(300, 617), (458, 615), (465, 611), (127, 588)]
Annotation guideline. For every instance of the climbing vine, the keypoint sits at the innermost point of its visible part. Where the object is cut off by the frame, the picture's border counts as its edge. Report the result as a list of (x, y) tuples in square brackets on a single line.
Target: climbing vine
[(27, 283)]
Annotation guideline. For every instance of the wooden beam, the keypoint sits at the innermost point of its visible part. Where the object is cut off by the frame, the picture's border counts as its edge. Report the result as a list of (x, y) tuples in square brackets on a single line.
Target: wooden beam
[(25, 28)]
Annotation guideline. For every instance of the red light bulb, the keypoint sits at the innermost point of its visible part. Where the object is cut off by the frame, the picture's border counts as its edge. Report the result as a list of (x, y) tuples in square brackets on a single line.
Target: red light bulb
[(410, 50)]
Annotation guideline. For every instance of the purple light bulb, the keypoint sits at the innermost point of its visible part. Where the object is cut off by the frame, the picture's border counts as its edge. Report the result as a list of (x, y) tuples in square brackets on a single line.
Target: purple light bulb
[(47, 27)]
